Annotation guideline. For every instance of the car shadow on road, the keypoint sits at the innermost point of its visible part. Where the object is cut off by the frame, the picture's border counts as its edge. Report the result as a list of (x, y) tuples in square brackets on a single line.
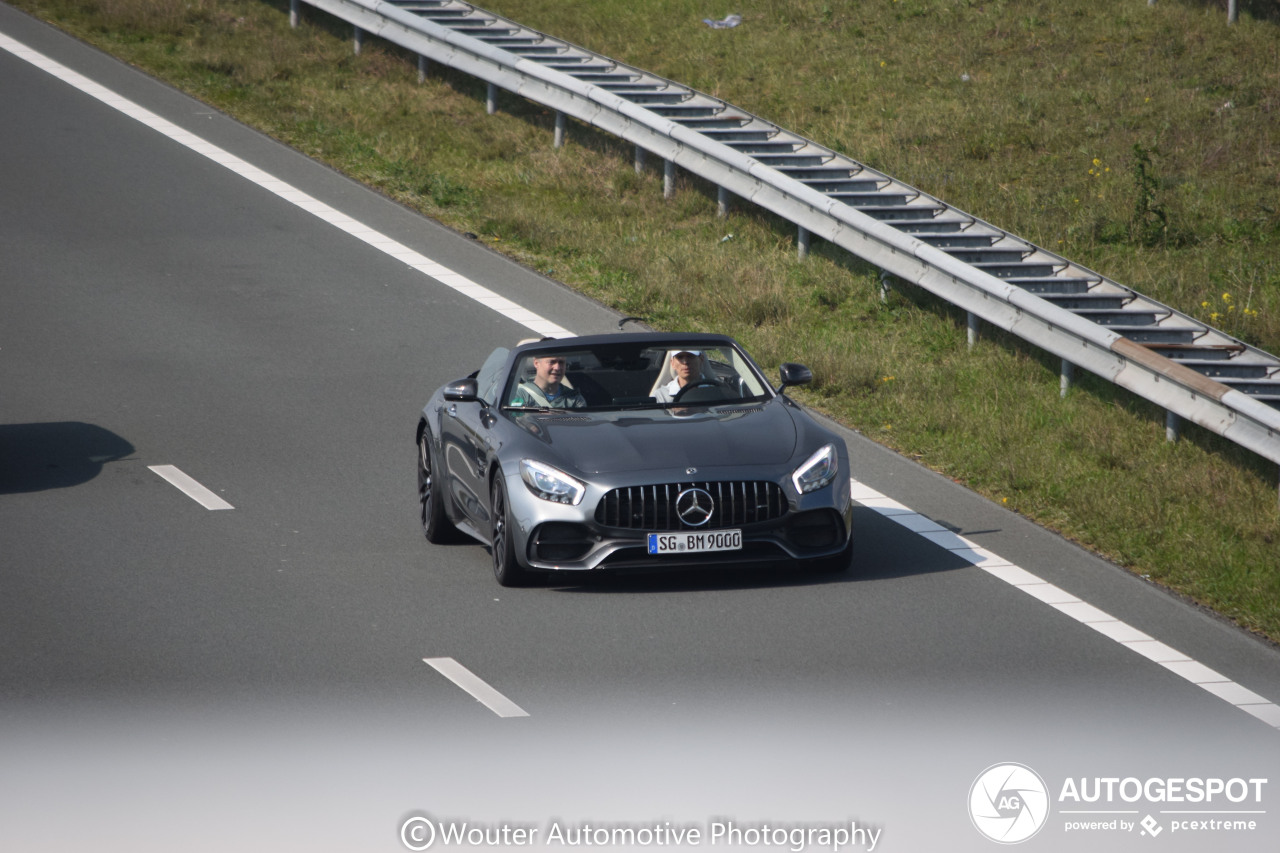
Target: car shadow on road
[(36, 457), (883, 550)]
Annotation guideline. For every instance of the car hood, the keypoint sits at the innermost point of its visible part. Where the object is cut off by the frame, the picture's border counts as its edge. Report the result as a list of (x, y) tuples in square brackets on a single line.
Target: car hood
[(607, 442)]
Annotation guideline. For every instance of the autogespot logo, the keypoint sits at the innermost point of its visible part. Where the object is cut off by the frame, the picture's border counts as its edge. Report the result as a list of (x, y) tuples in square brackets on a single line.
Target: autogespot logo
[(1008, 803)]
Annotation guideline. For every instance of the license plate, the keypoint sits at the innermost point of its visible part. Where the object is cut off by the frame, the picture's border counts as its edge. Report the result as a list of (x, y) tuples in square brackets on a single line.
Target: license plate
[(695, 543)]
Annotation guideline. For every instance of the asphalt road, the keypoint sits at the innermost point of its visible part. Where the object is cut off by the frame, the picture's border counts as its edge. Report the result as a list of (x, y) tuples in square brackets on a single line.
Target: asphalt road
[(253, 678)]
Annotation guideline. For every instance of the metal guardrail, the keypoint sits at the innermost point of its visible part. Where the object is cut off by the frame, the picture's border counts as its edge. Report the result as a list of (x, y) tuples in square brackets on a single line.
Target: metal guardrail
[(1192, 370)]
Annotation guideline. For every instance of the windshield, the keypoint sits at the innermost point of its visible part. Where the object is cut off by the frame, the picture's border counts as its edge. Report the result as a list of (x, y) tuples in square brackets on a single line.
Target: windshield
[(489, 376), (630, 376)]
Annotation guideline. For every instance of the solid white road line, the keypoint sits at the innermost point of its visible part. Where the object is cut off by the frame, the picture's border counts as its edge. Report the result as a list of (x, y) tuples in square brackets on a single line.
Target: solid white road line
[(294, 196), (472, 683), (1064, 602), (190, 487)]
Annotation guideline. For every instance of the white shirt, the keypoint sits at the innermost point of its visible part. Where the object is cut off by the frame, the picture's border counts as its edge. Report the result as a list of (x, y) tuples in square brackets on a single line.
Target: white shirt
[(667, 393)]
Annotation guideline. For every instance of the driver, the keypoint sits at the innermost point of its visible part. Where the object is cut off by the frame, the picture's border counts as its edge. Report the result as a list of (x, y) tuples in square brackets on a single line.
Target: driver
[(686, 366), (547, 390)]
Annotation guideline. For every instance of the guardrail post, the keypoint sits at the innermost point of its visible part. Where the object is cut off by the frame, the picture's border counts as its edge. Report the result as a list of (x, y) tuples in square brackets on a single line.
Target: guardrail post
[(1065, 377), (639, 160), (293, 13), (423, 68), (885, 275), (668, 179), (802, 242), (973, 329), (722, 202), (491, 99), (561, 120), (358, 40), (1172, 424)]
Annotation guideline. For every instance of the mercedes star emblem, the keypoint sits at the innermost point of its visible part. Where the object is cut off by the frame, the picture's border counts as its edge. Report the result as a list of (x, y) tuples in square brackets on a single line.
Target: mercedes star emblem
[(694, 506)]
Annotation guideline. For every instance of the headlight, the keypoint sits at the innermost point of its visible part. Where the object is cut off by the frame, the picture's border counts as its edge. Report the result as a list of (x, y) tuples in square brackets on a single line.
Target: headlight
[(550, 484), (817, 471)]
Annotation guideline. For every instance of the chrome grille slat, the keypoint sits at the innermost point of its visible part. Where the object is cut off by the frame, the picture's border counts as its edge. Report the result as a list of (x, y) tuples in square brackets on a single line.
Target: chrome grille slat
[(653, 508)]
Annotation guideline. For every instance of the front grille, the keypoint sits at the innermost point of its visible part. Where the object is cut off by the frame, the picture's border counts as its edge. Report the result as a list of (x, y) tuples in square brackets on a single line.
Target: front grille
[(654, 507)]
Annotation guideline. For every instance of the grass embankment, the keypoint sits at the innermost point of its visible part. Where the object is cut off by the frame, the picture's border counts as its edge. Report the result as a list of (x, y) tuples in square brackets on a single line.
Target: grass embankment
[(1141, 141)]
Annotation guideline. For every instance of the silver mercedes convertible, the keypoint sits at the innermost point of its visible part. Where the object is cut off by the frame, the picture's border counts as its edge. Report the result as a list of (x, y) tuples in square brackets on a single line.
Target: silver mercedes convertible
[(632, 452)]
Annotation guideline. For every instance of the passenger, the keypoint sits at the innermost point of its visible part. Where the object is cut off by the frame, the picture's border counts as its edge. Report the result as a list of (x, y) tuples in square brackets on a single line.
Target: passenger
[(686, 367), (547, 388)]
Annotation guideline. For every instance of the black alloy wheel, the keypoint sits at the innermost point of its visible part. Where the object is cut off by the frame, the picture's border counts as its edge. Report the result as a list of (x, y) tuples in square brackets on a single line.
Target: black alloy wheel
[(506, 569), (435, 525)]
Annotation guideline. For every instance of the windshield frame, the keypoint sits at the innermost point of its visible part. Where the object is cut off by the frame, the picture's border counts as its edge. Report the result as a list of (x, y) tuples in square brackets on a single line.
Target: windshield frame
[(621, 374)]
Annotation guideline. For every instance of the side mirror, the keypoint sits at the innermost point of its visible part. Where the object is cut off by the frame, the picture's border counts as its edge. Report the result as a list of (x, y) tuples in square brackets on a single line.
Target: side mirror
[(462, 391), (794, 374)]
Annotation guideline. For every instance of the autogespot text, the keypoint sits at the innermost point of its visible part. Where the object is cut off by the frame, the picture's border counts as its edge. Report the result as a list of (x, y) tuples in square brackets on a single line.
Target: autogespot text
[(1184, 804), (420, 833)]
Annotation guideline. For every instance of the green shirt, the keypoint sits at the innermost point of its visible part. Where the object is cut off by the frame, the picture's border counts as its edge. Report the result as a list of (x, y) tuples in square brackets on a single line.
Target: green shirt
[(529, 395)]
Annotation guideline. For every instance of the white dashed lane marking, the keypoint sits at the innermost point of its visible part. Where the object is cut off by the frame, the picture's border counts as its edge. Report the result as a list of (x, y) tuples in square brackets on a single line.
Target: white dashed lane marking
[(1064, 602), (190, 487), (473, 684)]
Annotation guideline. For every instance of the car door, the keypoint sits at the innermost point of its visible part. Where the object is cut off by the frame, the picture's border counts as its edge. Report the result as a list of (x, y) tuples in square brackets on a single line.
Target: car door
[(466, 432)]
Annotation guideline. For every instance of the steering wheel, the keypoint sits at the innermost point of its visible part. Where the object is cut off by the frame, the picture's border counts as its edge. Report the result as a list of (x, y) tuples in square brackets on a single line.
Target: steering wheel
[(701, 383)]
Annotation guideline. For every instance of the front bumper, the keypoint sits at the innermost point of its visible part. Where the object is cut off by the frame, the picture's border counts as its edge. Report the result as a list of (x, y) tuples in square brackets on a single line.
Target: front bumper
[(555, 537)]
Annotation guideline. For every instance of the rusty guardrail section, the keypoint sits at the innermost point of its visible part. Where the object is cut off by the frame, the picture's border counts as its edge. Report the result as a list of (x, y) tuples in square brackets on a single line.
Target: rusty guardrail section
[(1193, 371)]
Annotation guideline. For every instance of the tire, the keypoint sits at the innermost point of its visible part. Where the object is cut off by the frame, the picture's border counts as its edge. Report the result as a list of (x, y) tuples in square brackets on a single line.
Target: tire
[(506, 568), (435, 524)]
